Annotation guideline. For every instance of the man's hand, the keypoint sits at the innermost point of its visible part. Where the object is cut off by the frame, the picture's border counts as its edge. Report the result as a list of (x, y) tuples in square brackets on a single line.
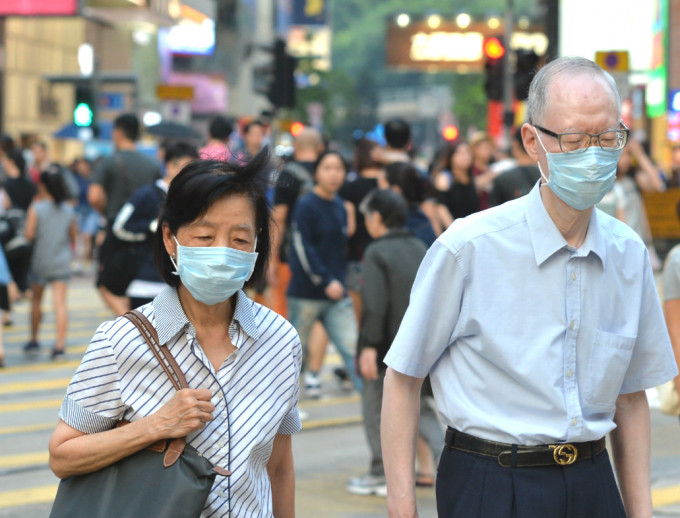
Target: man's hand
[(335, 290), (368, 363)]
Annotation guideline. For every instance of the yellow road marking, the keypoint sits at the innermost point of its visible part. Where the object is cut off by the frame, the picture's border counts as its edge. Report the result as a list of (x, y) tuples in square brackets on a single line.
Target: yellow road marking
[(24, 459), (42, 367), (315, 424), (330, 401), (28, 386), (34, 495), (665, 496), (30, 405), (24, 429)]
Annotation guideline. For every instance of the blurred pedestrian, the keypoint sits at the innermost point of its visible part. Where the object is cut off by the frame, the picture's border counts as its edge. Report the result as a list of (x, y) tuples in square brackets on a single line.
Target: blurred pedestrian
[(52, 228), (5, 279), (115, 179), (455, 185), (217, 147), (541, 328), (89, 220), (137, 221), (241, 360), (21, 191), (362, 180), (390, 265), (294, 180), (636, 173), (41, 162), (518, 180), (671, 299), (317, 290), (405, 180), (483, 151)]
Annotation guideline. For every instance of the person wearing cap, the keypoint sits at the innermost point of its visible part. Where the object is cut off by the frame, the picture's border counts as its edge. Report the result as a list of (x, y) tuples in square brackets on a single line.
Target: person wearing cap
[(541, 328)]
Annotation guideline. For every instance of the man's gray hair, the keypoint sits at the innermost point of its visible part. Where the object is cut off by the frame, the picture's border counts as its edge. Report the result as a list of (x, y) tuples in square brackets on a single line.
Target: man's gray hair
[(539, 91)]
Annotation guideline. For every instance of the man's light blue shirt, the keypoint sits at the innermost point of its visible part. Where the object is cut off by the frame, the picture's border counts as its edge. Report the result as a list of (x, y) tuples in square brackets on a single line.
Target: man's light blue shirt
[(528, 340)]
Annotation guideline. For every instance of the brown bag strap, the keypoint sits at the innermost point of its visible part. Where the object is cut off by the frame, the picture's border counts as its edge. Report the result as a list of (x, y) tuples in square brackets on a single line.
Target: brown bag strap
[(164, 356)]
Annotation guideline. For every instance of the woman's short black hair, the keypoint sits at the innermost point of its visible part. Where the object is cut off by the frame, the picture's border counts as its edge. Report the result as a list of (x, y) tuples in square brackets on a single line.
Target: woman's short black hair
[(391, 206), (53, 180), (326, 153), (408, 179), (197, 187)]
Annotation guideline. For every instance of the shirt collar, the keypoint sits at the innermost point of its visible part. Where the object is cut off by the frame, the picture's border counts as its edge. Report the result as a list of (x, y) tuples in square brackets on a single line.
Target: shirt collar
[(547, 239), (171, 319)]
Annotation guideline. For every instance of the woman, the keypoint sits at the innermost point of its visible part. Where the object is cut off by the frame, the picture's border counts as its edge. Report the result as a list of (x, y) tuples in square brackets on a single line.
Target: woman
[(241, 360), (356, 187), (318, 289), (404, 178), (457, 194), (51, 227), (483, 150)]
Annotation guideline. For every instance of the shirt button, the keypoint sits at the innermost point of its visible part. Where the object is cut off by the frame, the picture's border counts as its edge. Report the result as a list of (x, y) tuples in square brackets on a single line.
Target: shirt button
[(569, 373), (223, 494), (573, 276), (574, 421), (572, 325)]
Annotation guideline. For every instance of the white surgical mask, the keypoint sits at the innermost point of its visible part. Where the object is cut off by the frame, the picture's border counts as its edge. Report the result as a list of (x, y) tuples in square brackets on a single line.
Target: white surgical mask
[(212, 274), (581, 179)]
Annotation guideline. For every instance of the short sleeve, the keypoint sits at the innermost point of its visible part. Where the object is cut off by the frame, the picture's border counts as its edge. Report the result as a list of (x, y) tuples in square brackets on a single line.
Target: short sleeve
[(291, 422), (436, 310), (671, 276), (93, 398), (100, 174), (287, 189)]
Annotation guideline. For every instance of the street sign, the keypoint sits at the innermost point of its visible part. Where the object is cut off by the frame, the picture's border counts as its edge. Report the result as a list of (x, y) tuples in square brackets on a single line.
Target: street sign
[(166, 92), (613, 60), (674, 101)]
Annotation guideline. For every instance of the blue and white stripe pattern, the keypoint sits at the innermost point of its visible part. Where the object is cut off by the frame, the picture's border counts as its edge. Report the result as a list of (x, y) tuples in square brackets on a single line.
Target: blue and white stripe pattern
[(255, 392)]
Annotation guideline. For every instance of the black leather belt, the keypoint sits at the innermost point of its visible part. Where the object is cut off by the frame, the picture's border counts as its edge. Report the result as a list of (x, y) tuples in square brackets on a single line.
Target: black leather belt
[(515, 456)]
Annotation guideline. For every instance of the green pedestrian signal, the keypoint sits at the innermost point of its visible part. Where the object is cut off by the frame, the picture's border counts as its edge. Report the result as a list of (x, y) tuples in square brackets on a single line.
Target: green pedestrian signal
[(82, 115)]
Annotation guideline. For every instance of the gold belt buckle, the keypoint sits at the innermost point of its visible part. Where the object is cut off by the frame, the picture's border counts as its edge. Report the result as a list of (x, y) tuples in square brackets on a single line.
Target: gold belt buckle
[(564, 454)]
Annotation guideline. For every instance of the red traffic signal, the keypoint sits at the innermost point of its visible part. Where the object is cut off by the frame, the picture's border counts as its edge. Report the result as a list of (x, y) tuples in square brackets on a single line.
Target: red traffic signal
[(493, 48), (296, 128), (450, 132)]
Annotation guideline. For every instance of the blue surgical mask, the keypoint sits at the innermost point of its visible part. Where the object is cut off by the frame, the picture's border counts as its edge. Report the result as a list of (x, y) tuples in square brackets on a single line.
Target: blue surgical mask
[(581, 179), (212, 274)]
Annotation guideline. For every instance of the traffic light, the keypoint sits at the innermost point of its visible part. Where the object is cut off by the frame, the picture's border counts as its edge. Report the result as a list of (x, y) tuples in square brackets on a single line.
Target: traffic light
[(524, 72), (84, 111), (276, 79), (450, 132), (282, 91), (496, 59)]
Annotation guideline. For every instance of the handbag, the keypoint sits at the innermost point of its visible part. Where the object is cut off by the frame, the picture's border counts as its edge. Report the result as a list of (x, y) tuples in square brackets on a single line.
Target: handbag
[(169, 478), (669, 402)]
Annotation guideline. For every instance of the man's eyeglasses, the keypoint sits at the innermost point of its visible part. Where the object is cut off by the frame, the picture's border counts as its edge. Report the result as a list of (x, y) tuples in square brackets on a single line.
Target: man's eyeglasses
[(611, 140)]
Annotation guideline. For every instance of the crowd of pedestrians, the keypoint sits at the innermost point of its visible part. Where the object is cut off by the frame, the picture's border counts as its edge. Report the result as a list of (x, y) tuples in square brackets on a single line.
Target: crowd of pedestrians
[(347, 240)]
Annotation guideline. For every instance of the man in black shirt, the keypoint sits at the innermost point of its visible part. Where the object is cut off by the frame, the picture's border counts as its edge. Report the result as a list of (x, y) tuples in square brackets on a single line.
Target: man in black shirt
[(517, 181)]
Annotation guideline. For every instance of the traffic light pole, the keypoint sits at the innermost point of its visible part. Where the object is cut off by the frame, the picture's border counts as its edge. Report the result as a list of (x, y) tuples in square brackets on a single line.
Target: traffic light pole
[(508, 114)]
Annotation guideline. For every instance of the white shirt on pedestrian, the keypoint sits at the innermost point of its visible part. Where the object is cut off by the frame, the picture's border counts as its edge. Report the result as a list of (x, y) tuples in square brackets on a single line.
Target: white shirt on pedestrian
[(528, 340)]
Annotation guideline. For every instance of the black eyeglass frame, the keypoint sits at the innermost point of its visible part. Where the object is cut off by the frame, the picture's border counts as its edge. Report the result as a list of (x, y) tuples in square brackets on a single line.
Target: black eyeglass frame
[(558, 136)]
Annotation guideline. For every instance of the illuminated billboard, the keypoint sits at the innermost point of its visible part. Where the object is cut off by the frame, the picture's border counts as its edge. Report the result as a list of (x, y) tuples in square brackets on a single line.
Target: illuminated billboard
[(39, 7)]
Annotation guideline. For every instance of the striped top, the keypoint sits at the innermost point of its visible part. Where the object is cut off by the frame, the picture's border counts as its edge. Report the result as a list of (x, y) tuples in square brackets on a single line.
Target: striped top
[(255, 392)]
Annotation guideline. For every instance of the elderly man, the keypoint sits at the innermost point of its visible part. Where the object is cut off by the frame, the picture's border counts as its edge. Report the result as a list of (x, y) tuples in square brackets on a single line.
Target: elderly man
[(541, 327)]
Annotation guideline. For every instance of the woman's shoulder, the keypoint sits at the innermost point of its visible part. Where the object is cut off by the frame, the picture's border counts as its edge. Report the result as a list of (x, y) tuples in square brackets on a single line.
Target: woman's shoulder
[(272, 325)]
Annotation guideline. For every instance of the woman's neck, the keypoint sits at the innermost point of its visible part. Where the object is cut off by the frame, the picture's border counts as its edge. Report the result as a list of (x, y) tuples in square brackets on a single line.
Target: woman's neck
[(323, 193), (205, 316)]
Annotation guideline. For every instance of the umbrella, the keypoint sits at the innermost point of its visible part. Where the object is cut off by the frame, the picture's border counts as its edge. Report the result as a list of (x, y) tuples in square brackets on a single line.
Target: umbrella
[(71, 131), (173, 130)]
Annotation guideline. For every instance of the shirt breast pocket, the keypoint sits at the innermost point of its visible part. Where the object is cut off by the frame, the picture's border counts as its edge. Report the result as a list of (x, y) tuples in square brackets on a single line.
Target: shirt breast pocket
[(608, 362)]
